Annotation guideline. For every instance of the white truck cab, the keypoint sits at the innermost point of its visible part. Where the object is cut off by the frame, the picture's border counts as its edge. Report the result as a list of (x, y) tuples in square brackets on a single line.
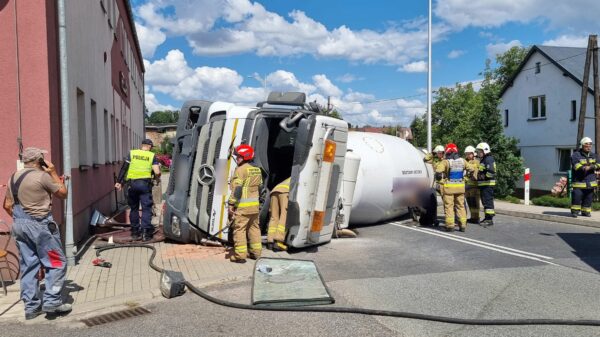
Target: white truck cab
[(290, 139)]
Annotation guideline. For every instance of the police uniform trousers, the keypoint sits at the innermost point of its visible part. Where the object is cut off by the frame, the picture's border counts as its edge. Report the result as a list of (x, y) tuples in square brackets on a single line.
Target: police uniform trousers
[(487, 199), (454, 200), (581, 199), (246, 229), (472, 196), (278, 209), (140, 192)]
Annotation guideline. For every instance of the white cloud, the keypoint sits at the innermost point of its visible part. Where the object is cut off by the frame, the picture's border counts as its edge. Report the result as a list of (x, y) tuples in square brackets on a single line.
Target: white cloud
[(149, 39), (348, 78), (494, 13), (499, 48), (325, 86), (247, 27), (152, 104), (456, 53), (568, 41), (414, 67), (173, 77)]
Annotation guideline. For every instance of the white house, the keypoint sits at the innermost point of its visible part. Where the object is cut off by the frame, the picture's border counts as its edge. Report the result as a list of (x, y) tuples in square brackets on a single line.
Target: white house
[(540, 107)]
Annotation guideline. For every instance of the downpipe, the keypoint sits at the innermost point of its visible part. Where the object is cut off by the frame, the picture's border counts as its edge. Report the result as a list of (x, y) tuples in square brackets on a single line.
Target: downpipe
[(70, 248)]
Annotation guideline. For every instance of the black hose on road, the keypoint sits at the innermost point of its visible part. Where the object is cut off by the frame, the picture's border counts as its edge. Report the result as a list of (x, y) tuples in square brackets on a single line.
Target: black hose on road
[(361, 311)]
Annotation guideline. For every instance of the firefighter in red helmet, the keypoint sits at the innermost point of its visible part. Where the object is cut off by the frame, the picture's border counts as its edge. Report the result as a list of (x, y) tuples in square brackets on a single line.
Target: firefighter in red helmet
[(244, 206), (451, 173)]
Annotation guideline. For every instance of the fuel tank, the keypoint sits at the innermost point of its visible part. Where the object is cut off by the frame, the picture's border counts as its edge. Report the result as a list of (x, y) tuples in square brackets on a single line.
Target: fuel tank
[(390, 176)]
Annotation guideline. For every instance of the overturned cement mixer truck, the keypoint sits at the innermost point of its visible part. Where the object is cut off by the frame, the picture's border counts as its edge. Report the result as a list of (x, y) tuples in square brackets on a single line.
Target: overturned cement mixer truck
[(337, 177)]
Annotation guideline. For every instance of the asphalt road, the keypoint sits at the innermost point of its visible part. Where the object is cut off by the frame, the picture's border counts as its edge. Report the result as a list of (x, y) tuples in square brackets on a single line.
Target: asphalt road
[(519, 268)]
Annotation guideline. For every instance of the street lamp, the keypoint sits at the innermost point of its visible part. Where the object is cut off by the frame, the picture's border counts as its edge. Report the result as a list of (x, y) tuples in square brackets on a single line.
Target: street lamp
[(258, 78)]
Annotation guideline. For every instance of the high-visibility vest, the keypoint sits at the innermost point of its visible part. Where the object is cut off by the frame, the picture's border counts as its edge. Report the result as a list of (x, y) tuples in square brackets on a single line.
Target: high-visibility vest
[(140, 164)]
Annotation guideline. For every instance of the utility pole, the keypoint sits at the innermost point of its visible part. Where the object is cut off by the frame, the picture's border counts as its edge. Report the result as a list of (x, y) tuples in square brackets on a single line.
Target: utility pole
[(328, 104), (429, 81), (596, 94), (584, 90)]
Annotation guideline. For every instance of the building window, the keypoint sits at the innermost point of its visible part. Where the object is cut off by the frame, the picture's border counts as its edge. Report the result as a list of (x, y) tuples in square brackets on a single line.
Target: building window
[(113, 138), (573, 110), (106, 138), (538, 107), (95, 148), (538, 67), (506, 118), (81, 129), (564, 160)]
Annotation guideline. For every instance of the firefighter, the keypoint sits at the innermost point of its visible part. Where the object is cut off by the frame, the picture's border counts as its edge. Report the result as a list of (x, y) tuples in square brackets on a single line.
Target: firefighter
[(486, 180), (137, 169), (471, 190), (584, 164), (244, 205), (435, 157), (450, 174), (278, 209)]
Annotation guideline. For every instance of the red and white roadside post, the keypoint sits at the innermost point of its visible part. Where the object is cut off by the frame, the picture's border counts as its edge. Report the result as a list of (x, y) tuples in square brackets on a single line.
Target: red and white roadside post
[(527, 176)]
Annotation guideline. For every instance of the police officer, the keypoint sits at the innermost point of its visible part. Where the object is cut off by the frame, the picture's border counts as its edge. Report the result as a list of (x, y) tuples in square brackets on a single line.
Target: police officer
[(584, 164), (486, 180), (450, 175), (244, 205), (472, 192), (278, 209), (29, 201), (137, 171)]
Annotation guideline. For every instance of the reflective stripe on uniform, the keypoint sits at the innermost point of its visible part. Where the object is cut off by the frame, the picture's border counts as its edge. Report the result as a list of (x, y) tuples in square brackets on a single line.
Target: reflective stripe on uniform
[(281, 245), (576, 207), (490, 211), (586, 209), (241, 249), (256, 246), (247, 202), (486, 183), (454, 184)]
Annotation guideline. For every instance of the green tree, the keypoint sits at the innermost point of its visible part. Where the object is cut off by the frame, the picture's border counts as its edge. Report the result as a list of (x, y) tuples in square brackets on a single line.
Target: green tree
[(163, 117), (335, 114), (508, 63), (419, 131)]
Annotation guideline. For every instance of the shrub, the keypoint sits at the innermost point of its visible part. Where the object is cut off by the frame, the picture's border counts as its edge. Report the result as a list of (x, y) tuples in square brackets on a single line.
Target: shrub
[(511, 199), (550, 201)]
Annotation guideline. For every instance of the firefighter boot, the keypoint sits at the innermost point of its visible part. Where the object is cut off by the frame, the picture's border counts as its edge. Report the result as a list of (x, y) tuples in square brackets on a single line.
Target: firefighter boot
[(574, 213), (587, 214)]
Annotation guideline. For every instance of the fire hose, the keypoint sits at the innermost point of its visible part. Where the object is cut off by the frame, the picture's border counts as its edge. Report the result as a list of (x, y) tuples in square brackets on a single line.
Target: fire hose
[(361, 311)]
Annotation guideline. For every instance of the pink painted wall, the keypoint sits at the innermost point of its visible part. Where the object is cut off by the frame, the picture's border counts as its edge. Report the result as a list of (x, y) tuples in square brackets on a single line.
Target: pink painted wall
[(30, 28)]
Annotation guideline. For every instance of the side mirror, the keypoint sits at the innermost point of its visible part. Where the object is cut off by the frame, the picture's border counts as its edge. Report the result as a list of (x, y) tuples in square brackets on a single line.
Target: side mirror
[(289, 123)]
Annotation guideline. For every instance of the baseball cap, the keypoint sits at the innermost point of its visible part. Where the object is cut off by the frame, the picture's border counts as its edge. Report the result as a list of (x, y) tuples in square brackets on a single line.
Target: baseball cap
[(32, 153), (148, 142)]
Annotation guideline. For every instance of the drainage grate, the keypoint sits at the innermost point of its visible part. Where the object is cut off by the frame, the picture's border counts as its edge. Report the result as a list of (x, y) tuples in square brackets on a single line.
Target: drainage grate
[(115, 316)]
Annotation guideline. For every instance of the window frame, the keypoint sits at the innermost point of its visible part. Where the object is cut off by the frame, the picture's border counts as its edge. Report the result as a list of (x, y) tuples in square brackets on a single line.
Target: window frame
[(573, 110), (558, 158), (540, 107)]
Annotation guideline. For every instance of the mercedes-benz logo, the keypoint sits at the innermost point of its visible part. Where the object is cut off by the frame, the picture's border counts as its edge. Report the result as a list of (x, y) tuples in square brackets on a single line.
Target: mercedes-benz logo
[(206, 175)]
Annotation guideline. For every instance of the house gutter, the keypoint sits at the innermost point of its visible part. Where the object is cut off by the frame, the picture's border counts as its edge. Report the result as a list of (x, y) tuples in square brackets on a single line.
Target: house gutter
[(66, 131)]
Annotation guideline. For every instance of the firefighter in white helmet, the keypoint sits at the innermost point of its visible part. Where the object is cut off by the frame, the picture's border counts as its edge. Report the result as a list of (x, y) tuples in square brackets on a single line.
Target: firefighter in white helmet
[(472, 191), (584, 163), (486, 180)]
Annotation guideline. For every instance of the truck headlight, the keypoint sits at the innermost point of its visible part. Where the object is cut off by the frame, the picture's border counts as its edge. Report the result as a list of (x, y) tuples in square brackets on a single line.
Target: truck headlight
[(175, 225)]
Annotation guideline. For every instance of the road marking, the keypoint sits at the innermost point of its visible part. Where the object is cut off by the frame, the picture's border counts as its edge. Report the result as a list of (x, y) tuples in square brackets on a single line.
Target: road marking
[(484, 245), (491, 244)]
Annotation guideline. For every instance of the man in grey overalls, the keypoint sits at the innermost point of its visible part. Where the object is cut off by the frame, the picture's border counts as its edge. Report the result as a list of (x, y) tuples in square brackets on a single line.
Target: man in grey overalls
[(29, 201)]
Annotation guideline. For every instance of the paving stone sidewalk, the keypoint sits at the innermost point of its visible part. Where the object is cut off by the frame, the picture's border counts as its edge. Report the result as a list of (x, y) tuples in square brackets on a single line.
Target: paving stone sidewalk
[(131, 280), (562, 215)]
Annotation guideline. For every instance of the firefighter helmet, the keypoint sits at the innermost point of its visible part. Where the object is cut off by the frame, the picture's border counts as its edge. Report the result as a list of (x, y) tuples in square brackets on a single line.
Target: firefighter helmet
[(244, 151), (585, 140), (469, 149), (484, 147), (438, 148), (451, 148)]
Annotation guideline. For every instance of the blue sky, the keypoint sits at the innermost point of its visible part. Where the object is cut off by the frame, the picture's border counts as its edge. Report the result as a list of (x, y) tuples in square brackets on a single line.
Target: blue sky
[(370, 57)]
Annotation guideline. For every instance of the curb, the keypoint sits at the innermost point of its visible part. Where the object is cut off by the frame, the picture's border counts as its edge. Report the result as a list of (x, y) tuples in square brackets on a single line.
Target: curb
[(551, 218)]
